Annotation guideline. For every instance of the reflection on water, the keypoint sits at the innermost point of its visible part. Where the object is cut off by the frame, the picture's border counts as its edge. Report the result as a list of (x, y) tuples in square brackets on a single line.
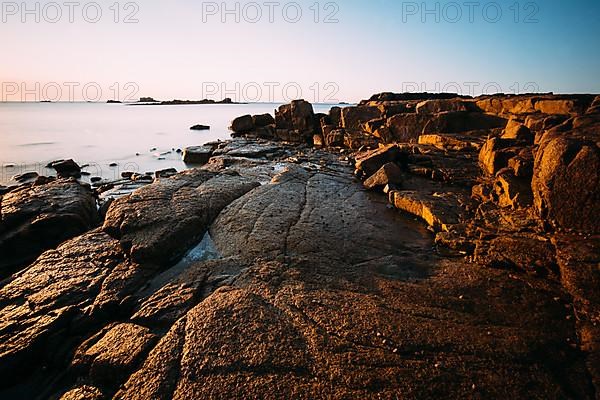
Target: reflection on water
[(136, 138)]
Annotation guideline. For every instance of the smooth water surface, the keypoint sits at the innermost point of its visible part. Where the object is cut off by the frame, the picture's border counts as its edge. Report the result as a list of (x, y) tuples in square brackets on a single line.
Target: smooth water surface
[(138, 138)]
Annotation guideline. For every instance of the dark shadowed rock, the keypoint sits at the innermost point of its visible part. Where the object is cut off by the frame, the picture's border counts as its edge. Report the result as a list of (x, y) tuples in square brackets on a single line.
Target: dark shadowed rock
[(495, 154), (113, 353), (25, 177), (370, 162), (513, 192), (242, 124), (457, 122), (37, 218), (37, 304), (165, 173), (522, 252), (407, 127), (298, 120), (262, 120), (197, 155), (335, 116), (389, 174), (352, 117), (66, 168), (200, 128)]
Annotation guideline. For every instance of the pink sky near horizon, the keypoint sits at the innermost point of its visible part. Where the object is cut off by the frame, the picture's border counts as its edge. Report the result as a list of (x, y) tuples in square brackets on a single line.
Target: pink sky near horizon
[(172, 53)]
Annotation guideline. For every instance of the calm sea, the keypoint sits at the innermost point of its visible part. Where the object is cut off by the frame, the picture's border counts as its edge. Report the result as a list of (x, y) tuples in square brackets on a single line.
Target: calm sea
[(137, 138)]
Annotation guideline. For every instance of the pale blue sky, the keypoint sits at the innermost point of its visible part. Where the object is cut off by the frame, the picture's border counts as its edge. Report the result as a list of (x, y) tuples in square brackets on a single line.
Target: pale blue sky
[(179, 49)]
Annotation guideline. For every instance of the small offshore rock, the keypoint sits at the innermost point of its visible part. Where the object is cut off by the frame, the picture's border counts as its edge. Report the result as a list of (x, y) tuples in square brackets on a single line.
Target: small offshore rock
[(200, 128), (66, 168)]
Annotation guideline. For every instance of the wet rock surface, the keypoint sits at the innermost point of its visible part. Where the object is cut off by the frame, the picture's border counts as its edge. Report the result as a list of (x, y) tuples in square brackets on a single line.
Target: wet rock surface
[(272, 272)]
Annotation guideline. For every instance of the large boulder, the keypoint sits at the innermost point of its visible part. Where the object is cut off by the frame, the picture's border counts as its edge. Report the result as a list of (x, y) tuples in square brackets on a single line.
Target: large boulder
[(159, 222), (353, 117), (335, 116), (66, 168), (197, 155), (37, 218), (516, 129), (242, 124), (298, 116), (262, 120), (566, 181), (407, 127)]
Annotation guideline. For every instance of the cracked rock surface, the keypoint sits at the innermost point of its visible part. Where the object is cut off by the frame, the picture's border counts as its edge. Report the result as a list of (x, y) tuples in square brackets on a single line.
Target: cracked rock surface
[(271, 272)]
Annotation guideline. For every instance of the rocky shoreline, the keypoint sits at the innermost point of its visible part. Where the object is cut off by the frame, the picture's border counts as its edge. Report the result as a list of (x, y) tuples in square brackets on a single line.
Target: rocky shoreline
[(414, 246)]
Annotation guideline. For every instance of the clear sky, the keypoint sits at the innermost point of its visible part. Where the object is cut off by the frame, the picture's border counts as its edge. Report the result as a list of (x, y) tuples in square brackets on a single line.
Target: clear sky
[(346, 51)]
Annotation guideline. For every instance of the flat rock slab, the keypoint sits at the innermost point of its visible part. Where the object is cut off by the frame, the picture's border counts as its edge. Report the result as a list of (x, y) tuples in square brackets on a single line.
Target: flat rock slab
[(437, 213), (250, 149)]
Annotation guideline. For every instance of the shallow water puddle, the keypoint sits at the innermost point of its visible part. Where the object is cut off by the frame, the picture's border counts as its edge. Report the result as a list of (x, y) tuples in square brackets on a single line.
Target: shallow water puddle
[(204, 251)]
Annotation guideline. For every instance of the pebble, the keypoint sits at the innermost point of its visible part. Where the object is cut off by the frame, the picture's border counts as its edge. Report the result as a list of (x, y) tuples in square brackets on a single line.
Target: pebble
[(112, 165), (95, 179)]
